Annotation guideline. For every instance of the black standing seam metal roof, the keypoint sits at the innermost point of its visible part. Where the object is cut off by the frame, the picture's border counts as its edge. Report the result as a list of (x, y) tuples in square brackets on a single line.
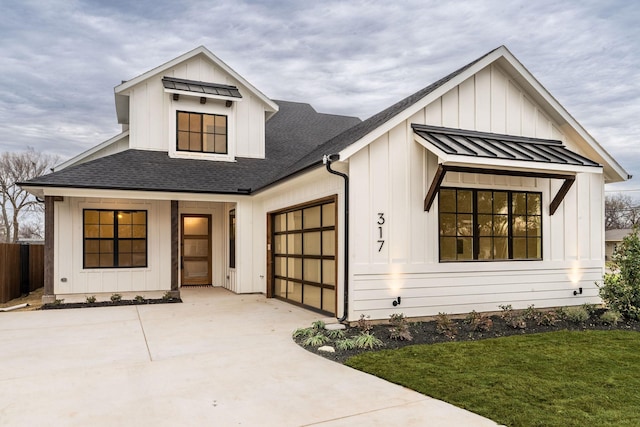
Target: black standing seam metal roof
[(203, 88), (492, 145)]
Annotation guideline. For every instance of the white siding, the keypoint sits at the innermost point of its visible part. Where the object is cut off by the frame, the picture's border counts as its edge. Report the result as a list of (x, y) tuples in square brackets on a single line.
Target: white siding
[(71, 278), (392, 176), (152, 111)]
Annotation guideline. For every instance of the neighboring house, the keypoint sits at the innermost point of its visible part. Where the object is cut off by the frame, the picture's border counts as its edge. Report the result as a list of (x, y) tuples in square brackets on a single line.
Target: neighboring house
[(476, 191), (612, 238)]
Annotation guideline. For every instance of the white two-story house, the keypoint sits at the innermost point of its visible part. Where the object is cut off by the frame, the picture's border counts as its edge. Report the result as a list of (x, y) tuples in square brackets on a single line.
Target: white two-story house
[(477, 191)]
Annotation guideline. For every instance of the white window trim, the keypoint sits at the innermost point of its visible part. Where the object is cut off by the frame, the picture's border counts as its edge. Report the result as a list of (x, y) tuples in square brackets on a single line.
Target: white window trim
[(192, 105)]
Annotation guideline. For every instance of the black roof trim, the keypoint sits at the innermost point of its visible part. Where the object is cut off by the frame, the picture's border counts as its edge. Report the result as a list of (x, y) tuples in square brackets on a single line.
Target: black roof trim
[(506, 147)]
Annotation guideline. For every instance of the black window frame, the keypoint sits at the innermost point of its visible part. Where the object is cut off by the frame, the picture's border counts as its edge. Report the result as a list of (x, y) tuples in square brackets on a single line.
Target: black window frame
[(202, 133), (116, 239), (475, 233)]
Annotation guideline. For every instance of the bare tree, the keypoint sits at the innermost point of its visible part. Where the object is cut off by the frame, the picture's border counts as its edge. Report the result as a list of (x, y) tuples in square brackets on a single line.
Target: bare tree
[(15, 202), (620, 211)]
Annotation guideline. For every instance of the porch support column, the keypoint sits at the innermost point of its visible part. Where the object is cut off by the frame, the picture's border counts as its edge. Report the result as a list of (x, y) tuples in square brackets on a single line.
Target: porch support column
[(48, 295), (175, 291)]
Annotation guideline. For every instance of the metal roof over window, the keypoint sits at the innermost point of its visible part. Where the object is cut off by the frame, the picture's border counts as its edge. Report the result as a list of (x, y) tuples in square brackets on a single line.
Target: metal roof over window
[(457, 142), (200, 88)]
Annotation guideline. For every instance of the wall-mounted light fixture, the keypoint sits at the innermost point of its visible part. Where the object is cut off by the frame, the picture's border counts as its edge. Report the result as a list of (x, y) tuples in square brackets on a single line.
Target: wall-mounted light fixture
[(396, 302), (578, 292), (228, 103), (176, 96), (203, 100)]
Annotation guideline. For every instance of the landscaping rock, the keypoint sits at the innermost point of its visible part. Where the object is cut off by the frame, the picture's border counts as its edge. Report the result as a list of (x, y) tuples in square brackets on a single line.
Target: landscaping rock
[(327, 349), (335, 327)]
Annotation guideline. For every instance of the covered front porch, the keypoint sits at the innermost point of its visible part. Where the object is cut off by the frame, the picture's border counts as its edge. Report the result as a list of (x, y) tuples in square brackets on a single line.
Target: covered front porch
[(144, 244)]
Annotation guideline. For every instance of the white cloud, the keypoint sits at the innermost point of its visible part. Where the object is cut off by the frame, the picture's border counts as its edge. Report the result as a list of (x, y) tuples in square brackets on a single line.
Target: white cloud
[(61, 59)]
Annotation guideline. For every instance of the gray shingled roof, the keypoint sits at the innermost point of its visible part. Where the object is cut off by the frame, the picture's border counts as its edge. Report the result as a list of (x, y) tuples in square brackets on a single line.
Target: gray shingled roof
[(617, 235), (295, 130), (496, 146), (296, 139), (353, 134)]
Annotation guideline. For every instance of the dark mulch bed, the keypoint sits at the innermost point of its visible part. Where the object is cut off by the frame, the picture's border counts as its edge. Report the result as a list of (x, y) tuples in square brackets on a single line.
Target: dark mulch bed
[(427, 333), (63, 305)]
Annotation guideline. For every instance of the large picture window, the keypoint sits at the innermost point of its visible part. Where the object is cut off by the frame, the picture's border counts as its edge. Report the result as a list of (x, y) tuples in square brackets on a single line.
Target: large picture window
[(489, 225), (114, 239), (201, 133)]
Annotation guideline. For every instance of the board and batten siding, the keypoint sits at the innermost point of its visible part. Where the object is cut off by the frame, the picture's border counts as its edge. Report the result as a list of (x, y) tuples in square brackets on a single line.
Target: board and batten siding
[(152, 111), (390, 178), (69, 275)]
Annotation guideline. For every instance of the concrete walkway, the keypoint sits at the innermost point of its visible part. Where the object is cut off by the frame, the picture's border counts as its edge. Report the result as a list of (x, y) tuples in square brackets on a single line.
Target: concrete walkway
[(218, 359)]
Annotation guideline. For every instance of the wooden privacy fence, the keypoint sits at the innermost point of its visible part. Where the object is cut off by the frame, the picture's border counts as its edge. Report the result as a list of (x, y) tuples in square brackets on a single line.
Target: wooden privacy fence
[(21, 269)]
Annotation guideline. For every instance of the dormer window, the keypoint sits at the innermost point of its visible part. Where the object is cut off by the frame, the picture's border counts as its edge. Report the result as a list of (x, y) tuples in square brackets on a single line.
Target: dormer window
[(201, 133)]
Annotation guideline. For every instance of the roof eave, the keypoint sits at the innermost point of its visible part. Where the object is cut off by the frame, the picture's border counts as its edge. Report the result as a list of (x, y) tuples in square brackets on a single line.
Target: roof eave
[(123, 88)]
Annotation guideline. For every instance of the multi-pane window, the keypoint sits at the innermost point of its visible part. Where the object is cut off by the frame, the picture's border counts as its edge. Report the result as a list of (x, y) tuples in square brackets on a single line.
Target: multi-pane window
[(201, 133), (489, 225), (114, 238)]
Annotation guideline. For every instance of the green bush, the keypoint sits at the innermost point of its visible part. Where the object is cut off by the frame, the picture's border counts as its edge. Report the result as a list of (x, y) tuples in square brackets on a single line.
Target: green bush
[(399, 328), (367, 340), (315, 340), (91, 299), (610, 317), (621, 289), (576, 314)]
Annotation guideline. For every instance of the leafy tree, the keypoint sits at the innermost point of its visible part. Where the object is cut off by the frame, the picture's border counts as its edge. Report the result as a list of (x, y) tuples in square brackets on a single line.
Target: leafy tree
[(620, 211), (621, 289), (15, 202)]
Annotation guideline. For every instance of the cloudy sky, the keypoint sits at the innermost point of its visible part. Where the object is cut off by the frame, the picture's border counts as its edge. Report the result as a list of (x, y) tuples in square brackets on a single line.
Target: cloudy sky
[(60, 59)]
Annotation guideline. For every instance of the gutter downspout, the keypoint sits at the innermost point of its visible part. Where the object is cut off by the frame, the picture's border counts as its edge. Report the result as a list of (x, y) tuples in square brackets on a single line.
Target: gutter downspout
[(327, 160)]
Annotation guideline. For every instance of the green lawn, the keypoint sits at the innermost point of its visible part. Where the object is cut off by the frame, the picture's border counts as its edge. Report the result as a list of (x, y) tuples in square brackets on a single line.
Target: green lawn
[(589, 378)]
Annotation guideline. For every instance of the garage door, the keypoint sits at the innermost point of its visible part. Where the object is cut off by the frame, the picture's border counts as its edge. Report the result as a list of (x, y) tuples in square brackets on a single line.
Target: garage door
[(304, 255)]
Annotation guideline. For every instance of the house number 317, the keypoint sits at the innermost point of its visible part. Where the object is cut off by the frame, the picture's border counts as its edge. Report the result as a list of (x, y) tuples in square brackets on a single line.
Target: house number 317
[(380, 223)]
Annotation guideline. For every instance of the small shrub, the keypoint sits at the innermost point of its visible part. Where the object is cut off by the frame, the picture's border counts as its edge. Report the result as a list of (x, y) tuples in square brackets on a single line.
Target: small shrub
[(364, 324), (399, 328), (610, 317), (516, 321), (58, 301), (530, 313), (478, 322), (315, 340), (167, 296), (445, 326), (303, 332), (116, 297), (547, 318), (335, 334), (576, 314), (318, 325), (366, 340), (590, 308), (91, 299), (345, 344), (139, 298), (507, 311), (621, 289)]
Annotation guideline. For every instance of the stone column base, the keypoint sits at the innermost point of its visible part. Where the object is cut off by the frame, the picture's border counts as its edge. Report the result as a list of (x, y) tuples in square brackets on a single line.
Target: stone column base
[(48, 299)]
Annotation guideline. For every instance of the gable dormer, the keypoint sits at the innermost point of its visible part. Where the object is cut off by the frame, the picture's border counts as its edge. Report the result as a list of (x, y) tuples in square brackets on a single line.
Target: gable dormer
[(195, 106)]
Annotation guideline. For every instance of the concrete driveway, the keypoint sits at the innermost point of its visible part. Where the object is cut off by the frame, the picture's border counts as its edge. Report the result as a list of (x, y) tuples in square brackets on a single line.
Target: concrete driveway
[(218, 359)]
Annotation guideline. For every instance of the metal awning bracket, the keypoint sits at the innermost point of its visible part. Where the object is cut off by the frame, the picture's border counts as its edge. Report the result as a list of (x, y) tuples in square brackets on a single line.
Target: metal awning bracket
[(434, 188)]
